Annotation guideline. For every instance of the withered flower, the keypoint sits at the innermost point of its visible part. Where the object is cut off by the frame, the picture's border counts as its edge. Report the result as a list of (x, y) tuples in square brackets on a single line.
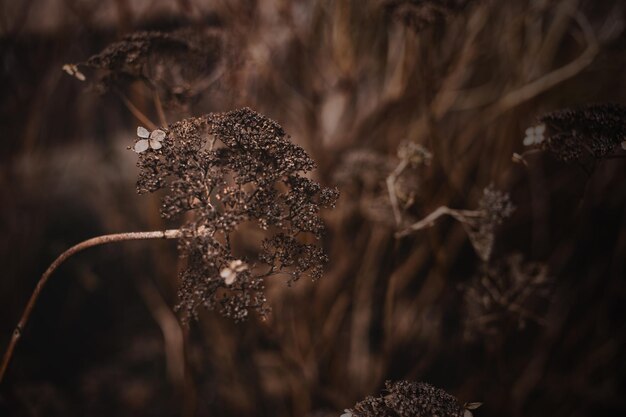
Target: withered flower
[(419, 14), (224, 170), (506, 294), (410, 399), (177, 64)]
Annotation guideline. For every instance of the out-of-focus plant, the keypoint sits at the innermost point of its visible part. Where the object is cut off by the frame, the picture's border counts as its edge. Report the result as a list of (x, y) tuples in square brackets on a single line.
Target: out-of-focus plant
[(506, 294), (480, 224), (583, 136)]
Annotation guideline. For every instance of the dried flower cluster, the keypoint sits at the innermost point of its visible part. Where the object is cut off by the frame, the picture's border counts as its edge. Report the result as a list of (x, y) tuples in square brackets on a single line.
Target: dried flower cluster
[(504, 295), (173, 62), (225, 170), (418, 14), (408, 399), (494, 207), (581, 135)]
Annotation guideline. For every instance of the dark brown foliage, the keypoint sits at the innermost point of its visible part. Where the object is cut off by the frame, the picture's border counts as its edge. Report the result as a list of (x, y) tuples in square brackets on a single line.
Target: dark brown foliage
[(225, 170)]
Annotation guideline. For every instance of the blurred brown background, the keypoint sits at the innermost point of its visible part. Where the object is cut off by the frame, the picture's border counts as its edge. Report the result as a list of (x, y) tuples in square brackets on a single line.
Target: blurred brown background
[(462, 78)]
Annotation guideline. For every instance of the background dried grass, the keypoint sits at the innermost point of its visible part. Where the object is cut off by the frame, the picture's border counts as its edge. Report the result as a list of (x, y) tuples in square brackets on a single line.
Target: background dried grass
[(339, 76)]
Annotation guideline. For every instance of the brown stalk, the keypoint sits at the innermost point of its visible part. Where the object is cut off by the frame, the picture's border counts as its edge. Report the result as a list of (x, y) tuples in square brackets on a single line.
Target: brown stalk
[(428, 221), (96, 241)]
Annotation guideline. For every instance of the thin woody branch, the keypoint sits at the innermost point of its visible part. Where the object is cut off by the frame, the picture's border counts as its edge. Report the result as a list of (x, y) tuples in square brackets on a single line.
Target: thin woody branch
[(96, 241)]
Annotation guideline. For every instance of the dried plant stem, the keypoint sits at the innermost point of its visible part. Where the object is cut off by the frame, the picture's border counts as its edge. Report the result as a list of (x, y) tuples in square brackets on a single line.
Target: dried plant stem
[(96, 241), (159, 108), (555, 77), (428, 221), (136, 112)]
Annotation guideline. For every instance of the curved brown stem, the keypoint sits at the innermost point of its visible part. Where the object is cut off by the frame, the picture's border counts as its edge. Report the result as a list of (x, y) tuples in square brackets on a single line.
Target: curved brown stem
[(96, 241)]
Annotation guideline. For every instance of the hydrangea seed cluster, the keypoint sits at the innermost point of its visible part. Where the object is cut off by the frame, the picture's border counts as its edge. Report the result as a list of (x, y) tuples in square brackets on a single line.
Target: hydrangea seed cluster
[(580, 135), (408, 399), (221, 171)]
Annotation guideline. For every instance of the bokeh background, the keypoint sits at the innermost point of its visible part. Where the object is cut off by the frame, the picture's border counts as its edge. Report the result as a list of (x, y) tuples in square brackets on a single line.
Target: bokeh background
[(463, 79)]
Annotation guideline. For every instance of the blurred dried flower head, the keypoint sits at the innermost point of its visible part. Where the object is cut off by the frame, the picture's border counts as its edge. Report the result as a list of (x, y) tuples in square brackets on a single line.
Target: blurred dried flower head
[(385, 186), (225, 170), (363, 170), (581, 135), (506, 294), (414, 153), (409, 399), (494, 207), (418, 14), (178, 64)]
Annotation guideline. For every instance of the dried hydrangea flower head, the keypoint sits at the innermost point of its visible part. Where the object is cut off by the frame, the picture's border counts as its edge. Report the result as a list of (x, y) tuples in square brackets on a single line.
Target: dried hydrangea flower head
[(410, 399), (414, 153), (224, 170), (506, 294), (176, 63), (494, 207), (580, 135)]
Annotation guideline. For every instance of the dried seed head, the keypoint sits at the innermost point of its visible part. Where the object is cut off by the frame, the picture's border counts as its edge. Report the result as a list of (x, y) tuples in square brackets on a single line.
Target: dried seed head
[(493, 208), (418, 14), (581, 135), (404, 398), (225, 170)]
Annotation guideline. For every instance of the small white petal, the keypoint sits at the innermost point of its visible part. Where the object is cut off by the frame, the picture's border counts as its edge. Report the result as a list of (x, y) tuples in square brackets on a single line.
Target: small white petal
[(229, 280), (238, 265), (154, 144), (141, 146), (540, 129), (157, 134), (529, 140), (529, 131), (142, 132), (624, 145), (69, 68), (229, 275)]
